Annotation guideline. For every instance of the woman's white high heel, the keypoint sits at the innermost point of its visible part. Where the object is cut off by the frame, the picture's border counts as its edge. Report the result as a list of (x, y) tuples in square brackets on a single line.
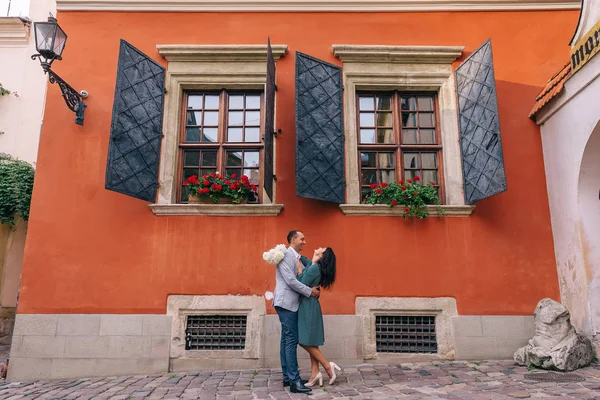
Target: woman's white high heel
[(334, 366), (318, 377)]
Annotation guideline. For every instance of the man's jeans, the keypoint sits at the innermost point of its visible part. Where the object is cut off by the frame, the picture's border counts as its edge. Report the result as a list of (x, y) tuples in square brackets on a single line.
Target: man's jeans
[(289, 344)]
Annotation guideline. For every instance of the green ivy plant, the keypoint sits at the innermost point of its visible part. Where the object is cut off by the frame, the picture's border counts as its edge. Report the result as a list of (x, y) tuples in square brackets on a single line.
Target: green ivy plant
[(3, 92), (16, 185)]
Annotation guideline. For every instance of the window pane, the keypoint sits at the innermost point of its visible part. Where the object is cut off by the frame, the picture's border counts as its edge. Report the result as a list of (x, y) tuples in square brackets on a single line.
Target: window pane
[(409, 119), (368, 176), (384, 119), (368, 160), (388, 176), (194, 118), (408, 103), (384, 103), (236, 171), (234, 134), (251, 159), (253, 101), (385, 136), (408, 174), (409, 136), (366, 104), (425, 103), (411, 160), (187, 172), (367, 119), (194, 101), (211, 102), (430, 176), (209, 158), (236, 102), (192, 134), (211, 118), (365, 191), (426, 119), (236, 118), (234, 158), (209, 134), (252, 117), (386, 160), (429, 160), (428, 136), (252, 174), (252, 135), (367, 135), (191, 158)]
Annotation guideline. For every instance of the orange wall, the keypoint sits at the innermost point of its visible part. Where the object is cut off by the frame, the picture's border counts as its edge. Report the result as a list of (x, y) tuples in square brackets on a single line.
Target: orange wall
[(90, 250)]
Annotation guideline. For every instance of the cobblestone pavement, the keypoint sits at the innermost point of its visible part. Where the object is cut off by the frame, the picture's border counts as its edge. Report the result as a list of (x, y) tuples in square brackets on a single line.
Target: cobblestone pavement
[(487, 380)]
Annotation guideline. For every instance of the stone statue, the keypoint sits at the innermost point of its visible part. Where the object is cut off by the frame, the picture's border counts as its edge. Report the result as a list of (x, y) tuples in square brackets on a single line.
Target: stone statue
[(556, 344)]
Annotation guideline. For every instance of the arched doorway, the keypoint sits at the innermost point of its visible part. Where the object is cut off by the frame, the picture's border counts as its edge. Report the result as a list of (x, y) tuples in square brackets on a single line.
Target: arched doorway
[(589, 219)]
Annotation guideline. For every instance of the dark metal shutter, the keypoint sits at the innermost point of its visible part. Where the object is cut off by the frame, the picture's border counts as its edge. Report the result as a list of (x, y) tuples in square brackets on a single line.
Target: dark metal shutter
[(319, 130), (269, 123), (480, 142), (136, 129)]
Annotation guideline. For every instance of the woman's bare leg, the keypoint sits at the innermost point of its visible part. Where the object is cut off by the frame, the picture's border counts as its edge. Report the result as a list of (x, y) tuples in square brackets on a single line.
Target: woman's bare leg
[(314, 364), (315, 353)]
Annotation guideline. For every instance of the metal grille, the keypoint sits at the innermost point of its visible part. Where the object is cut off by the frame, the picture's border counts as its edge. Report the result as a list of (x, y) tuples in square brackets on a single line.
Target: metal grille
[(405, 334), (215, 332), (555, 377)]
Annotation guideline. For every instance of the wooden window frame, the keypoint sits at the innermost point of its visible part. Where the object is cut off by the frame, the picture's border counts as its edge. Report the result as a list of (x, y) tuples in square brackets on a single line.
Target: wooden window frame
[(397, 147), (221, 146)]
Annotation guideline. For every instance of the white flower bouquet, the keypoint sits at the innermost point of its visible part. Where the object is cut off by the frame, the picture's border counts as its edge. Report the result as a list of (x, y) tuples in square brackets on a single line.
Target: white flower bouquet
[(275, 255)]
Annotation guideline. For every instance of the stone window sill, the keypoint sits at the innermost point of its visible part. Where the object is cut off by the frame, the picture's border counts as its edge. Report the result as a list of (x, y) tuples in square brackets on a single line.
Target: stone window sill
[(13, 31), (224, 210), (381, 210)]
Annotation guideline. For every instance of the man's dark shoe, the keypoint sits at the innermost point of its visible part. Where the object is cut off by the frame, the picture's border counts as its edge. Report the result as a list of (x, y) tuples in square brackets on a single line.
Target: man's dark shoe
[(287, 383), (298, 387)]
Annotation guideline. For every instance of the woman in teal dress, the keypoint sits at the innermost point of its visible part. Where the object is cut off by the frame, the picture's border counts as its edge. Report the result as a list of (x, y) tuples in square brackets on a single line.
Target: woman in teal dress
[(310, 318)]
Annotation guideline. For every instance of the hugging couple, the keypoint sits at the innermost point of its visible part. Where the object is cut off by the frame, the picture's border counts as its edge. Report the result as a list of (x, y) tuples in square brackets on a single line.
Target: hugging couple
[(296, 300)]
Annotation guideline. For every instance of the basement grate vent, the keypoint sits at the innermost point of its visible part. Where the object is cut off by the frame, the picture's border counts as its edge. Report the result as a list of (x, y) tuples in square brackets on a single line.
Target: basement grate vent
[(215, 332), (405, 334)]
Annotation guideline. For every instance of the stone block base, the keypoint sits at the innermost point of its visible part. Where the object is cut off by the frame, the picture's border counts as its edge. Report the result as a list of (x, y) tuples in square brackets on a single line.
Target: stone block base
[(57, 346)]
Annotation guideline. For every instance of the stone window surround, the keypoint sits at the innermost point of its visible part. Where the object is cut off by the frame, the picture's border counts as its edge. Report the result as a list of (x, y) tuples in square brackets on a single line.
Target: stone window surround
[(207, 67), (14, 32), (408, 68), (443, 308), (253, 307)]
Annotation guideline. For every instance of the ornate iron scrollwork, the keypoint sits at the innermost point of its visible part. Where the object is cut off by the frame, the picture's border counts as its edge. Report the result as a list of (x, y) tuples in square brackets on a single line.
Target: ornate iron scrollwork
[(72, 98)]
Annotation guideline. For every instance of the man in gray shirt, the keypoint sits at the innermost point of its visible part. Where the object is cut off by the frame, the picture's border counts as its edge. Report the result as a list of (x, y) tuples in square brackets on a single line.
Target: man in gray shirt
[(286, 302)]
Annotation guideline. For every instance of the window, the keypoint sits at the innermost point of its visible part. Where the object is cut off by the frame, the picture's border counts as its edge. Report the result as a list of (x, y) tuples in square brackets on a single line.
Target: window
[(398, 139), (222, 132)]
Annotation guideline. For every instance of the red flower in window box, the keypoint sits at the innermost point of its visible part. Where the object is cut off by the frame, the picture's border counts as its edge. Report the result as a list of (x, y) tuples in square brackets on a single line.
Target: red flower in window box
[(373, 185), (218, 188), (383, 185), (417, 178), (414, 197)]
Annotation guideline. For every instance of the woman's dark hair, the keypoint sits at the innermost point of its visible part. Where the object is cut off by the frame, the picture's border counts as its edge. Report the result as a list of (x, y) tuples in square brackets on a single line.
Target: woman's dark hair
[(327, 265)]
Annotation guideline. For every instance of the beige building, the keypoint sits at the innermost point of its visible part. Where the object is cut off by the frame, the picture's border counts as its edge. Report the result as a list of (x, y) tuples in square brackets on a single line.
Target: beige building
[(21, 113), (569, 119)]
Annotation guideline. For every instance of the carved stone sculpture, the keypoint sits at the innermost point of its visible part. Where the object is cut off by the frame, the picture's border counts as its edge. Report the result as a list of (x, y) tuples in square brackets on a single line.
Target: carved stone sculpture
[(556, 344)]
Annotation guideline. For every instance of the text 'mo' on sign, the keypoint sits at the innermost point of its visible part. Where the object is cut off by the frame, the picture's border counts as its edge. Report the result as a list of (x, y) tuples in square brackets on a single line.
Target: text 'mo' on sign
[(586, 48)]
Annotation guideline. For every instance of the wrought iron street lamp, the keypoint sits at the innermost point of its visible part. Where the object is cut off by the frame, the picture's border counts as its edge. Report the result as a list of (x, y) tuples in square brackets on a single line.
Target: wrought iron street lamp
[(50, 42)]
